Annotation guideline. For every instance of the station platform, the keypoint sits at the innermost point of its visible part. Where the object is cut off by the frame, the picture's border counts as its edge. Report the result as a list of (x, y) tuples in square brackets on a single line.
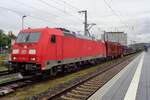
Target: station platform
[(131, 83)]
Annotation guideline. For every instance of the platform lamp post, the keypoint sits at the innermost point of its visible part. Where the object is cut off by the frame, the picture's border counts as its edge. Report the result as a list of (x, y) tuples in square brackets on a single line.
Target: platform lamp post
[(23, 21)]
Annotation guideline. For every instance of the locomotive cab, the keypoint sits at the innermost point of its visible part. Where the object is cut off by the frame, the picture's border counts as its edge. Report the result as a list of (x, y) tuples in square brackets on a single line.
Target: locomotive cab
[(25, 51), (33, 48)]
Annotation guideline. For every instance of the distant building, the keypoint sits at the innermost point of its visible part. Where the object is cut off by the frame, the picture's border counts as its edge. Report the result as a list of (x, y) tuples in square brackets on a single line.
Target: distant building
[(120, 37)]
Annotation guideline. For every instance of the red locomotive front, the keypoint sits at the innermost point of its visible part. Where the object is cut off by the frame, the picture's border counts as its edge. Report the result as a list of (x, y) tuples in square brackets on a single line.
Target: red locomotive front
[(31, 49), (26, 51)]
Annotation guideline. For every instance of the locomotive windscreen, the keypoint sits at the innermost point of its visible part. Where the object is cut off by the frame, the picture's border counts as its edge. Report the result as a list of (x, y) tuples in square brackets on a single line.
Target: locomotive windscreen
[(28, 37)]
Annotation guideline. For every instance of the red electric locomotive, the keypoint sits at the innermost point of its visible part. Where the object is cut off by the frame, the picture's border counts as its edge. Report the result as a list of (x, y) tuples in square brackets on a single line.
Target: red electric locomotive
[(54, 49)]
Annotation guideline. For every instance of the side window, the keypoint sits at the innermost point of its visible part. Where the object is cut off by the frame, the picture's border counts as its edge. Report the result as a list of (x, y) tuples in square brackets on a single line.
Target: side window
[(53, 39)]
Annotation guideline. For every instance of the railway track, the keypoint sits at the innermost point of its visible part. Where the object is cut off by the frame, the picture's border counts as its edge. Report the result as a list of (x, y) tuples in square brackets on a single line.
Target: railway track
[(4, 90), (9, 83), (86, 87), (4, 73)]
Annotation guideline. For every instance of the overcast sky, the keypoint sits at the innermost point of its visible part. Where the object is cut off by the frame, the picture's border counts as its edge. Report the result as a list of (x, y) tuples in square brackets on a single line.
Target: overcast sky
[(130, 16)]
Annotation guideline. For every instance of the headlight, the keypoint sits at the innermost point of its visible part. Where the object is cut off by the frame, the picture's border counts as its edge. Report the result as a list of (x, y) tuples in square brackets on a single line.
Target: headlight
[(15, 51), (33, 59), (32, 51), (14, 58)]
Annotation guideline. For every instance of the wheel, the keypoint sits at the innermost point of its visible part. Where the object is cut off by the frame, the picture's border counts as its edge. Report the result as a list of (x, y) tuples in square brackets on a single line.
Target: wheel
[(53, 71)]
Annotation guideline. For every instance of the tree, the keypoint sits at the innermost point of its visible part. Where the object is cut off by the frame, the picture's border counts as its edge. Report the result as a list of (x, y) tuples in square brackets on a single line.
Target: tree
[(11, 35), (1, 35), (5, 40), (1, 31)]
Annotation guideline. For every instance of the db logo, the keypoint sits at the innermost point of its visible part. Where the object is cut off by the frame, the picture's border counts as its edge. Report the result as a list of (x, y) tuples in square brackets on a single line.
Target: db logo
[(23, 52)]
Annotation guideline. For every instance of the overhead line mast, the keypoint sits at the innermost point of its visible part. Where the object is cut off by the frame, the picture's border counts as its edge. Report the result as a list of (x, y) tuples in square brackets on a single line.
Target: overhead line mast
[(87, 26), (85, 22)]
